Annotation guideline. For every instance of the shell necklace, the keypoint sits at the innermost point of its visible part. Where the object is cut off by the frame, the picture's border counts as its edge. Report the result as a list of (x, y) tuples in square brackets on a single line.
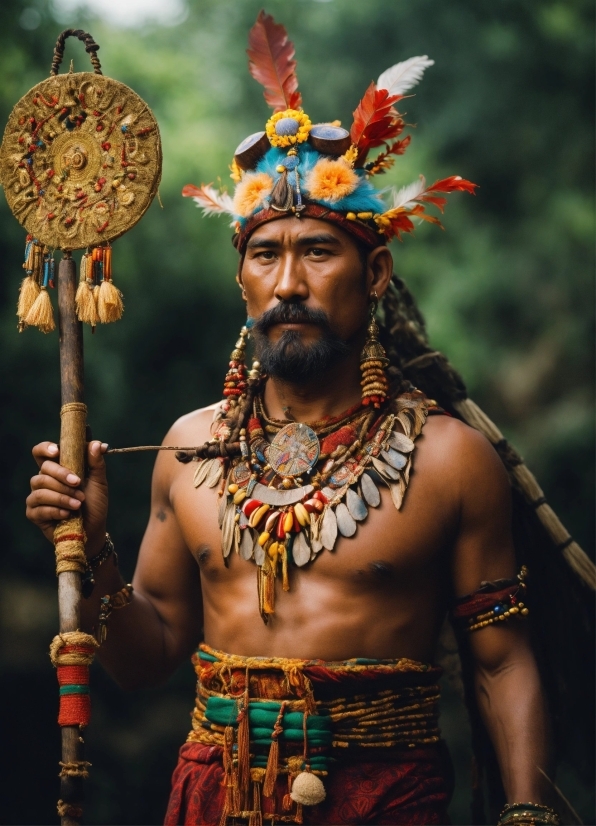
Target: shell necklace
[(285, 500)]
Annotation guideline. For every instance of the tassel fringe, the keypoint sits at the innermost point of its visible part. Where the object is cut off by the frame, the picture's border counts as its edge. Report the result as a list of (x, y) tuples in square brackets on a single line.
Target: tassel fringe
[(41, 313), (29, 291), (109, 303)]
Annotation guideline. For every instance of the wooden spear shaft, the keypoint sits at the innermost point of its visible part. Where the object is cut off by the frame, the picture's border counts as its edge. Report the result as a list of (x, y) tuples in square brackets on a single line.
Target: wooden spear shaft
[(72, 456)]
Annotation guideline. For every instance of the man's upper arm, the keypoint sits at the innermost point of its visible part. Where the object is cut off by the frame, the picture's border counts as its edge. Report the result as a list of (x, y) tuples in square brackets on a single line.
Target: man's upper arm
[(166, 573), (484, 546)]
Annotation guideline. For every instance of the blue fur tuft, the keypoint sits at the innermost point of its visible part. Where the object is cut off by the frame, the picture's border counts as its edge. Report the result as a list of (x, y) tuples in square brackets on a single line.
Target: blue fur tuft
[(365, 197)]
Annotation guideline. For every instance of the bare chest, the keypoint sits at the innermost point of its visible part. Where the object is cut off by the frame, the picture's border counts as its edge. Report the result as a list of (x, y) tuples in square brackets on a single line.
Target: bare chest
[(389, 549)]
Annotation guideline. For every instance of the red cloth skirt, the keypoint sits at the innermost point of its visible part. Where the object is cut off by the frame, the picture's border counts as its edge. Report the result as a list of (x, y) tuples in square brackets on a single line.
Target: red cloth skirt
[(411, 788)]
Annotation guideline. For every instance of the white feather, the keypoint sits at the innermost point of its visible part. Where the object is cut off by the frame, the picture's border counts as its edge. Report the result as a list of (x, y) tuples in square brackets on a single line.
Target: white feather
[(213, 202), (400, 78), (408, 194)]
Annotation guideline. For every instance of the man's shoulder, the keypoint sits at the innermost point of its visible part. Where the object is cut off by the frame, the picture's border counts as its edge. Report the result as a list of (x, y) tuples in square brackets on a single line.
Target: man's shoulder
[(461, 450), (193, 428)]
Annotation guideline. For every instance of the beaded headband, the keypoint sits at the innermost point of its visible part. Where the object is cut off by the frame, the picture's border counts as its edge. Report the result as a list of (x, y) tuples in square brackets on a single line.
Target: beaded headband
[(294, 166)]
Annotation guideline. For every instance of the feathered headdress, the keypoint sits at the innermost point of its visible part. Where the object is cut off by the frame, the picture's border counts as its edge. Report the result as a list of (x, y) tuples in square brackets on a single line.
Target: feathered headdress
[(323, 170)]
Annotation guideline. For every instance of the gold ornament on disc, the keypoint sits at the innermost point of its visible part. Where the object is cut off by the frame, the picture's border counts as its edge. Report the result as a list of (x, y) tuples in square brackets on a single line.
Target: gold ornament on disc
[(80, 161)]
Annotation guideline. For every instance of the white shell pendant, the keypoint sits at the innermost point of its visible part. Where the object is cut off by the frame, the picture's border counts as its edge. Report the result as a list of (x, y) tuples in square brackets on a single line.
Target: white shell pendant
[(370, 491), (236, 537), (406, 422), (345, 524), (227, 529), (246, 544), (201, 472), (395, 459), (328, 533), (355, 505), (401, 442), (385, 470), (214, 473), (301, 550), (221, 510), (398, 490)]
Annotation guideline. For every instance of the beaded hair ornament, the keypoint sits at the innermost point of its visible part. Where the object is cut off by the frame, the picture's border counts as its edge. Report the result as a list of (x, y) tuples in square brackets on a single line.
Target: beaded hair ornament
[(322, 170)]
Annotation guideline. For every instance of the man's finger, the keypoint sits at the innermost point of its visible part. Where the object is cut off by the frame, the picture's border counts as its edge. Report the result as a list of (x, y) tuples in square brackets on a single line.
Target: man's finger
[(44, 482), (62, 474), (45, 450), (42, 498), (46, 514)]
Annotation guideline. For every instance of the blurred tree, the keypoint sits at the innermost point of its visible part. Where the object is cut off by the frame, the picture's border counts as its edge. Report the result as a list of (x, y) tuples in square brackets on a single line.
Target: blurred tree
[(506, 290)]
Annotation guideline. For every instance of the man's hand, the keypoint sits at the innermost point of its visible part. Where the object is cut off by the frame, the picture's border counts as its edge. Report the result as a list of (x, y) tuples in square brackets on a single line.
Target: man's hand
[(57, 494)]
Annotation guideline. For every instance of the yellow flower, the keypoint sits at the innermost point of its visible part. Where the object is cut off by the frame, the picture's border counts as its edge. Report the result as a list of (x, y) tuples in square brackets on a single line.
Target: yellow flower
[(281, 141), (351, 155), (251, 192), (331, 180), (236, 172)]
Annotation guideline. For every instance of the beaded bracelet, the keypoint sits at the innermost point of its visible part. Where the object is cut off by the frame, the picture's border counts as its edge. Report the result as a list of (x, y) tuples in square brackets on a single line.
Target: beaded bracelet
[(120, 599), (88, 580), (528, 814)]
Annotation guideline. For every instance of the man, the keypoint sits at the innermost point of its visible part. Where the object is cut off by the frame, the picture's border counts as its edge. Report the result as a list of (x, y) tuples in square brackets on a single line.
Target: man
[(365, 512)]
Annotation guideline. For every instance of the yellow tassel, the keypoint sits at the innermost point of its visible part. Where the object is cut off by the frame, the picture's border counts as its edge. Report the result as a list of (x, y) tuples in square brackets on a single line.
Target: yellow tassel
[(85, 304), (41, 313), (109, 302), (244, 745), (256, 816), (272, 769), (27, 295), (284, 569)]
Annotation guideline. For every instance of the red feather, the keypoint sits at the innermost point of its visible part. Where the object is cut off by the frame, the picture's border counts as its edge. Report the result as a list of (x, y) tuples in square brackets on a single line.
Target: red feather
[(271, 63), (454, 183), (375, 120)]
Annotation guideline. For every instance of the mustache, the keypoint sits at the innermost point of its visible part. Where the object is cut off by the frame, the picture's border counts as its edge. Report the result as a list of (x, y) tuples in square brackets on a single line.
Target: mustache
[(290, 312)]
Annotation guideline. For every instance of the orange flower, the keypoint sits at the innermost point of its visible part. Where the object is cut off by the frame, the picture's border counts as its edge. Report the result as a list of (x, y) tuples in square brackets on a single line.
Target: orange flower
[(331, 180), (251, 192)]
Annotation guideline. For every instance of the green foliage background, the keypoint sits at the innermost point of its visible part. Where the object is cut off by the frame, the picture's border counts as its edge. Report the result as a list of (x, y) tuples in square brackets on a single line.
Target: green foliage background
[(507, 291)]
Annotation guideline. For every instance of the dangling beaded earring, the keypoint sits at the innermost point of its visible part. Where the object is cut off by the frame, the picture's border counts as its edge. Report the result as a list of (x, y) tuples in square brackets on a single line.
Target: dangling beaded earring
[(373, 362), (235, 380)]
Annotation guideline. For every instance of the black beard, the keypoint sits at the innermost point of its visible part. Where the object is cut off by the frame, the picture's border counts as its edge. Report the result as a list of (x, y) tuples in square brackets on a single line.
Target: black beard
[(289, 359)]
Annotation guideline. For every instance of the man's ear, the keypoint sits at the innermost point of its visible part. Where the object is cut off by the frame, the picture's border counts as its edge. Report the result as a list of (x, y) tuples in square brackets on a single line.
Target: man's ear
[(379, 270), (239, 280)]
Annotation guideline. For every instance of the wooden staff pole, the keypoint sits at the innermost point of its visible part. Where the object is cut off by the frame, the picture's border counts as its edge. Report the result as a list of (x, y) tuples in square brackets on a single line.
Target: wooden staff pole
[(72, 456)]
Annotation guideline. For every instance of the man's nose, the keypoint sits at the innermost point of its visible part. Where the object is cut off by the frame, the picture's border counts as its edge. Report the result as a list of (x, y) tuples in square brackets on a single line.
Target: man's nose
[(291, 283)]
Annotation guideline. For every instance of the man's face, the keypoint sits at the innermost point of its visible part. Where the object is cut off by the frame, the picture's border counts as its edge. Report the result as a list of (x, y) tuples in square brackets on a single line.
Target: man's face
[(308, 289)]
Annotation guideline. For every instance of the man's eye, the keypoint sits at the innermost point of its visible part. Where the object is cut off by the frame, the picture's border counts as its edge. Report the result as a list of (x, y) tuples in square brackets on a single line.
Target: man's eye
[(267, 255), (317, 252)]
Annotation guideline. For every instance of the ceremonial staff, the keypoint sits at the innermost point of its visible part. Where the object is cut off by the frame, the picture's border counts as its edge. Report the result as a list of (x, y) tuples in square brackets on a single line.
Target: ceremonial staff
[(80, 163)]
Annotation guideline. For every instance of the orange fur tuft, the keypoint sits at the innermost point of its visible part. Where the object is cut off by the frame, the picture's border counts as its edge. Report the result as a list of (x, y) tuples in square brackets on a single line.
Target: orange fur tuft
[(251, 192), (331, 181)]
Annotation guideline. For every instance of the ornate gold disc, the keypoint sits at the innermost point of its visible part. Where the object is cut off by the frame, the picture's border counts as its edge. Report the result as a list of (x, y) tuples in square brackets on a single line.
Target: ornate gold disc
[(80, 161)]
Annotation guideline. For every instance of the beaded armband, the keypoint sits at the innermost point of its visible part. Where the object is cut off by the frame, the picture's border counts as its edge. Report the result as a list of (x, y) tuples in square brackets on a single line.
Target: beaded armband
[(528, 814), (493, 602)]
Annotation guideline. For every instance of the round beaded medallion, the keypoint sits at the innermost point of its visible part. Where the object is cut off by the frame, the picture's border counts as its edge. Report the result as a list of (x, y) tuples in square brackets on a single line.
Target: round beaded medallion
[(294, 450)]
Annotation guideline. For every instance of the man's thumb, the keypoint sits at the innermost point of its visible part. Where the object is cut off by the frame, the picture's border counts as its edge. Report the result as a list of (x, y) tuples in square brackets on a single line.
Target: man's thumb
[(95, 460)]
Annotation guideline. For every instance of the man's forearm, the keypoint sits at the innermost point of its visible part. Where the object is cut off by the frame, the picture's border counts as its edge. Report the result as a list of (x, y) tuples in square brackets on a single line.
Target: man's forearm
[(513, 708), (135, 651)]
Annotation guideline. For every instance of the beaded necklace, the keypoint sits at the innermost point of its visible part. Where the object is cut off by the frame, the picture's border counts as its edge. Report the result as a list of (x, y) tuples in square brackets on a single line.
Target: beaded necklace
[(284, 500)]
